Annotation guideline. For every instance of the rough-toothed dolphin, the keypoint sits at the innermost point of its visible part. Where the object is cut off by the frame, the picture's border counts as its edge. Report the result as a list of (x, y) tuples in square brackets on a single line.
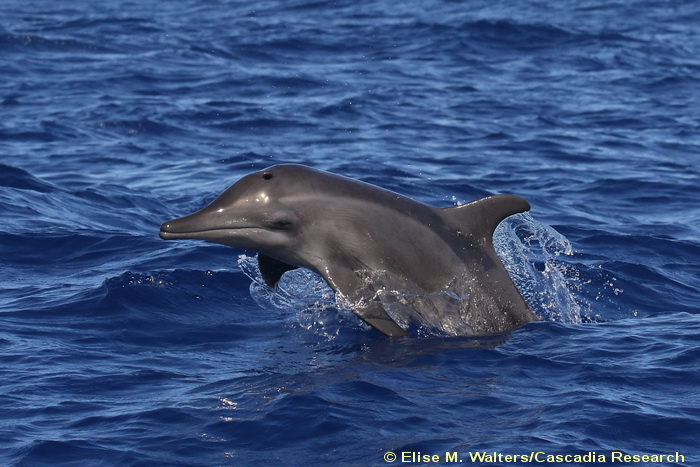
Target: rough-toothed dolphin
[(392, 260)]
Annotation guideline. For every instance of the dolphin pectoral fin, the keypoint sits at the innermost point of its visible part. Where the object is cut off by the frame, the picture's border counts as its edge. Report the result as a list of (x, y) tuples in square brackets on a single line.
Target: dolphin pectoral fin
[(379, 319), (346, 281), (272, 269)]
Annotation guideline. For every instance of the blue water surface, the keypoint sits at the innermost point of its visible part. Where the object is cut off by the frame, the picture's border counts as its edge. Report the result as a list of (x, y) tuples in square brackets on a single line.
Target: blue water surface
[(117, 348)]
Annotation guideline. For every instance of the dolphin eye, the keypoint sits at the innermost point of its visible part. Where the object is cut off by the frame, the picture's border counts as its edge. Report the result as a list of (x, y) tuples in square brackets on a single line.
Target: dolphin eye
[(267, 176), (283, 223), (281, 220)]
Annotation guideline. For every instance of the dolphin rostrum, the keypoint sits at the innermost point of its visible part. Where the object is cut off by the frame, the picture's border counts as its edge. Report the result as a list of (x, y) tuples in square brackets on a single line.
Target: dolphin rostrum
[(392, 260)]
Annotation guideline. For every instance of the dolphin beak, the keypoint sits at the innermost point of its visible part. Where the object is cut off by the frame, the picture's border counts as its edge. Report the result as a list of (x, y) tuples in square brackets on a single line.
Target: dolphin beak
[(184, 227), (169, 231), (201, 225), (165, 233)]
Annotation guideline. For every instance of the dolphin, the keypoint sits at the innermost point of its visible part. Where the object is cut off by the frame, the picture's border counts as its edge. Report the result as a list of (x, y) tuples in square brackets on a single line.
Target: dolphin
[(392, 260)]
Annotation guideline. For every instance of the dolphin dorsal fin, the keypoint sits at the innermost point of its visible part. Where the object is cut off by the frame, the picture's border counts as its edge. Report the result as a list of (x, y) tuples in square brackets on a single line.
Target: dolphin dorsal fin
[(481, 217)]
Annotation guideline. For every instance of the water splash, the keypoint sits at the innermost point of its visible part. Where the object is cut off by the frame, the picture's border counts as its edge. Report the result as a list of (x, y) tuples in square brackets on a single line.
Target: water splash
[(303, 292), (535, 256)]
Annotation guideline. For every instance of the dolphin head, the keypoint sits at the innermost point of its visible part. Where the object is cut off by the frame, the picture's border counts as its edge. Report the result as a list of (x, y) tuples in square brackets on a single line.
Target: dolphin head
[(257, 213)]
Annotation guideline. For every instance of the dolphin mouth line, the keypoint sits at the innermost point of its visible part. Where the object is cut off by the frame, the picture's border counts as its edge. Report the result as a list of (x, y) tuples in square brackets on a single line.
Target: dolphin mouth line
[(168, 235)]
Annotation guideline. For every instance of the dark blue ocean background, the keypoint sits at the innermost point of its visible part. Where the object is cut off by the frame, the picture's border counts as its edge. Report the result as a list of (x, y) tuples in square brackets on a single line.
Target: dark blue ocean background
[(118, 348)]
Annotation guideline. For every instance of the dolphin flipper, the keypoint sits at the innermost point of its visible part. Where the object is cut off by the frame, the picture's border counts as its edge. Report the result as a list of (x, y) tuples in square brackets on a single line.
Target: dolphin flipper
[(361, 298), (379, 319), (272, 269)]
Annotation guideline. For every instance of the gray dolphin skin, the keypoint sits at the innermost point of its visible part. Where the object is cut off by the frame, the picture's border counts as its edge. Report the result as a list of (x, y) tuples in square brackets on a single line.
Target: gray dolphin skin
[(392, 260)]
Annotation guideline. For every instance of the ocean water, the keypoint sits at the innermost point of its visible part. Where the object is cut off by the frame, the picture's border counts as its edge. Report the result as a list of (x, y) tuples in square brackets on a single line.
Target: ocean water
[(117, 348)]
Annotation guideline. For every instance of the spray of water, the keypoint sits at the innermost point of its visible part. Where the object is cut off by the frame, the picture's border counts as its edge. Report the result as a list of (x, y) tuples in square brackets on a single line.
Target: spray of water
[(535, 256), (303, 294)]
